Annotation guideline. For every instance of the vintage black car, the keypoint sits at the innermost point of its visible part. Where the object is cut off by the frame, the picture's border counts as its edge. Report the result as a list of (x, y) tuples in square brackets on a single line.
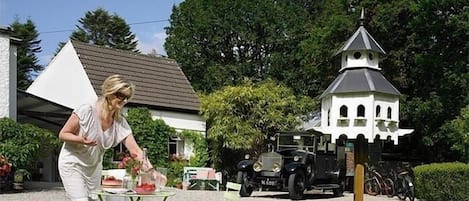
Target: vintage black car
[(298, 161)]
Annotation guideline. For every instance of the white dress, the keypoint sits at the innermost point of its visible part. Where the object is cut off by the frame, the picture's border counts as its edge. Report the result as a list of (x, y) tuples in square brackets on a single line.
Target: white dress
[(80, 165)]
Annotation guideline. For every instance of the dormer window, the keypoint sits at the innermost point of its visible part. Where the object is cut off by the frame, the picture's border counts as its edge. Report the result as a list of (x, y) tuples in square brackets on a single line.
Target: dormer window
[(378, 111), (361, 111), (343, 111), (357, 55), (389, 113), (370, 56)]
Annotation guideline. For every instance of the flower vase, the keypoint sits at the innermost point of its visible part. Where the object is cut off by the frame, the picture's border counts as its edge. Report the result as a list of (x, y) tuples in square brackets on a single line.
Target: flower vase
[(129, 181)]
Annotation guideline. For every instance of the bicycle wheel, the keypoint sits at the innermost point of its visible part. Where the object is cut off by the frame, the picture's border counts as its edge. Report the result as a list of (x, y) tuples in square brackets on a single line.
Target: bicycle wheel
[(400, 189), (410, 189), (372, 187), (388, 188)]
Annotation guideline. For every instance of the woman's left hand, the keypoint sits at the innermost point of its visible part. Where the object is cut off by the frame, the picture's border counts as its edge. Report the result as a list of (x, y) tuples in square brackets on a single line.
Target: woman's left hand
[(160, 179)]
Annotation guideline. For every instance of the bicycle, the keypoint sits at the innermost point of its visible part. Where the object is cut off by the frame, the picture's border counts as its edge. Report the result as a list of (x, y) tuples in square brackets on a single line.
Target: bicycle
[(404, 186), (377, 184)]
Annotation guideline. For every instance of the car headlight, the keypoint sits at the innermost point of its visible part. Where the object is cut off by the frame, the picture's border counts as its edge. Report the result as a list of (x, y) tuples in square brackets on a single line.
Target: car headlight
[(296, 158), (276, 167), (246, 156), (257, 166)]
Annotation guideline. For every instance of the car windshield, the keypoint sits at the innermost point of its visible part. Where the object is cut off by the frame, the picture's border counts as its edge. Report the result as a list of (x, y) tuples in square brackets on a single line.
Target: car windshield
[(295, 141)]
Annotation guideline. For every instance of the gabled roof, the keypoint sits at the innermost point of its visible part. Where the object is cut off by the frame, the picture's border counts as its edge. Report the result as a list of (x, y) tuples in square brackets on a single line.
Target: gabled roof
[(159, 82), (360, 80), (361, 40)]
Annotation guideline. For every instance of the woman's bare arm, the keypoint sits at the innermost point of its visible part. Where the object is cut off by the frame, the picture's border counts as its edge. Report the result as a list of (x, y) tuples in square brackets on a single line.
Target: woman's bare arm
[(69, 132)]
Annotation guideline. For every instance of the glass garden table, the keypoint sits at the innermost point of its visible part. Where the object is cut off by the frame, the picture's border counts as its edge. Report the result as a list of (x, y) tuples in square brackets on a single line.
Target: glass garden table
[(164, 194)]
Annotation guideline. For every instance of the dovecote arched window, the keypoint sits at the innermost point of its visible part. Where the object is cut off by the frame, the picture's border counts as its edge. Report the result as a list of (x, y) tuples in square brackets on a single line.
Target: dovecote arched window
[(328, 117), (361, 111), (343, 111), (378, 111), (389, 113)]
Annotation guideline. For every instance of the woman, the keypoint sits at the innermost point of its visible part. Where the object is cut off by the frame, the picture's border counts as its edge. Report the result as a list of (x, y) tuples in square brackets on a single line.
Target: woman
[(89, 131)]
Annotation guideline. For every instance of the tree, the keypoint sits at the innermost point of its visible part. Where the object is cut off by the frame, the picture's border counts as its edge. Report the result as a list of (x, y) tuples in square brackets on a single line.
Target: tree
[(100, 28), (242, 117), (219, 43), (27, 61), (457, 131)]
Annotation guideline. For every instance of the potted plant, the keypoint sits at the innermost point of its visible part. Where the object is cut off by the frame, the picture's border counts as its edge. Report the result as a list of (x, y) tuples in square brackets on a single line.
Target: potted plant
[(19, 177)]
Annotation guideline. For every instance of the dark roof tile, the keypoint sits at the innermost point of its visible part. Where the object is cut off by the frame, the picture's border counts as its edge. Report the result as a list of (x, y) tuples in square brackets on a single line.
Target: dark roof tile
[(159, 82)]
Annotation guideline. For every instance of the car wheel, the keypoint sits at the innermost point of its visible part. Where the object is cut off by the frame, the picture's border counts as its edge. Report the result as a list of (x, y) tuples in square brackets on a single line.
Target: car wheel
[(296, 185), (246, 189), (339, 191)]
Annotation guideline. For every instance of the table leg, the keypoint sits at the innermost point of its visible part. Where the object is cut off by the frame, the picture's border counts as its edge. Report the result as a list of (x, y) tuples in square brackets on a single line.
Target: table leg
[(138, 199), (165, 197), (100, 198)]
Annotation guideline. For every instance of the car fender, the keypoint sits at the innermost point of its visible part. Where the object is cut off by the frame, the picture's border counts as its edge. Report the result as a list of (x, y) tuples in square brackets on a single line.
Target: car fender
[(245, 165), (292, 167)]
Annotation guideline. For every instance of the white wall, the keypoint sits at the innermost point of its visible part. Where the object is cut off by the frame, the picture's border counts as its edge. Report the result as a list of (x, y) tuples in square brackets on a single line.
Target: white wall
[(368, 127), (7, 78), (64, 81), (349, 61)]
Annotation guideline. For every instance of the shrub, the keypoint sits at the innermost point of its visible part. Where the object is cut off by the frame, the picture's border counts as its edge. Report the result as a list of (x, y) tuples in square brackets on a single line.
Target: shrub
[(23, 144), (442, 181)]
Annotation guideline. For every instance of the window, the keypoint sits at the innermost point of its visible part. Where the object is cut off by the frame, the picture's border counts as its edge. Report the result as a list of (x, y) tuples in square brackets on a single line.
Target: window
[(175, 147), (389, 113), (343, 111), (378, 111), (370, 56), (119, 151), (361, 111)]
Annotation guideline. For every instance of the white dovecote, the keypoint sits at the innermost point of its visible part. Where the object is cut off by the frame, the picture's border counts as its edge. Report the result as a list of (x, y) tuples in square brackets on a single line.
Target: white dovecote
[(360, 101)]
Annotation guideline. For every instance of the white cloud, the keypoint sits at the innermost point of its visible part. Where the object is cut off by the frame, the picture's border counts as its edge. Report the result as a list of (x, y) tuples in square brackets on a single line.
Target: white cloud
[(155, 42)]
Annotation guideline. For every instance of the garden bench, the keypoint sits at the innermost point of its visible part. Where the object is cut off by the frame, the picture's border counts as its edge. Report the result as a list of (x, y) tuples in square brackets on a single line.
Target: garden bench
[(194, 176)]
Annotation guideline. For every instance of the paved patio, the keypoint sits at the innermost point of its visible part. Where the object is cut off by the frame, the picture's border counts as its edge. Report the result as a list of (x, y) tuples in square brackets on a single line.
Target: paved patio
[(53, 192)]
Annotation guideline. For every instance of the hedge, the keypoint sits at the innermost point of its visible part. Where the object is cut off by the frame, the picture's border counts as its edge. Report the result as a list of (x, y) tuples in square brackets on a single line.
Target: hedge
[(442, 181)]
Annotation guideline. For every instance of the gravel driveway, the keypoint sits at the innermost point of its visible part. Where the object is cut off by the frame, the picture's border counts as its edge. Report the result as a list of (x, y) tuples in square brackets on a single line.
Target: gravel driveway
[(58, 194)]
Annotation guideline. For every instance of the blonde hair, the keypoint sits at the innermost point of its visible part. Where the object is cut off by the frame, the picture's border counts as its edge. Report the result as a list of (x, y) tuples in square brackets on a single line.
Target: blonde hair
[(111, 85)]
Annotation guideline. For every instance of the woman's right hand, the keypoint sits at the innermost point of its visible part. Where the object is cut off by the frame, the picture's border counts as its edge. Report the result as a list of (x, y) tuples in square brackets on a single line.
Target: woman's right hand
[(86, 141)]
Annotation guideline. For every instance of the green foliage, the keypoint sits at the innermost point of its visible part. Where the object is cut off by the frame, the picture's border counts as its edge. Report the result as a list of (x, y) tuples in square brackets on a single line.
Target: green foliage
[(218, 43), (442, 181), (23, 144), (241, 117), (175, 171), (457, 131), (27, 61), (200, 151), (152, 134), (100, 28)]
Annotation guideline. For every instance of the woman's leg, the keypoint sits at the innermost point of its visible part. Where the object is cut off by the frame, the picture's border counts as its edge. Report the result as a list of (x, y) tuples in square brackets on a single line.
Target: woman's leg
[(75, 185)]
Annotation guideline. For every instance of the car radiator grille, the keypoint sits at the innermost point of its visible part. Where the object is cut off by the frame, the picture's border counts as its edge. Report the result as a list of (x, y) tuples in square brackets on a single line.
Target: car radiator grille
[(268, 162)]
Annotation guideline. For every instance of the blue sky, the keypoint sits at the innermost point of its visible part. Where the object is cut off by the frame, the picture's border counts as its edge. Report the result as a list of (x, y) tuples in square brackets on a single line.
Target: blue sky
[(56, 19)]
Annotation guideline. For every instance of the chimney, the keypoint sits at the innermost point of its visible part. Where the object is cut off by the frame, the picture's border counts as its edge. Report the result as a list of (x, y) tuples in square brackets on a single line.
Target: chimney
[(8, 73)]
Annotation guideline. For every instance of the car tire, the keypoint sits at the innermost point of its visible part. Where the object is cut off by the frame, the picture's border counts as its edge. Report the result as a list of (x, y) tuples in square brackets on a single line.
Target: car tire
[(296, 185), (246, 189), (339, 191)]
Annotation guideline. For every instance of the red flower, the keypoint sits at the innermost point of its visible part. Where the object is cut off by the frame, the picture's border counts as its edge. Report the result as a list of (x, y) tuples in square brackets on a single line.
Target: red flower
[(130, 164), (5, 166)]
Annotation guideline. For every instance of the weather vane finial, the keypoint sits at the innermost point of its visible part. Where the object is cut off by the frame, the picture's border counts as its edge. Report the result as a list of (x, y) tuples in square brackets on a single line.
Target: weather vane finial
[(362, 18)]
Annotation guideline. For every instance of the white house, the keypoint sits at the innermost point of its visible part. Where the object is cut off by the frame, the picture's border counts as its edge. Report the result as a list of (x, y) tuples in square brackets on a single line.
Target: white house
[(360, 100), (75, 76)]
